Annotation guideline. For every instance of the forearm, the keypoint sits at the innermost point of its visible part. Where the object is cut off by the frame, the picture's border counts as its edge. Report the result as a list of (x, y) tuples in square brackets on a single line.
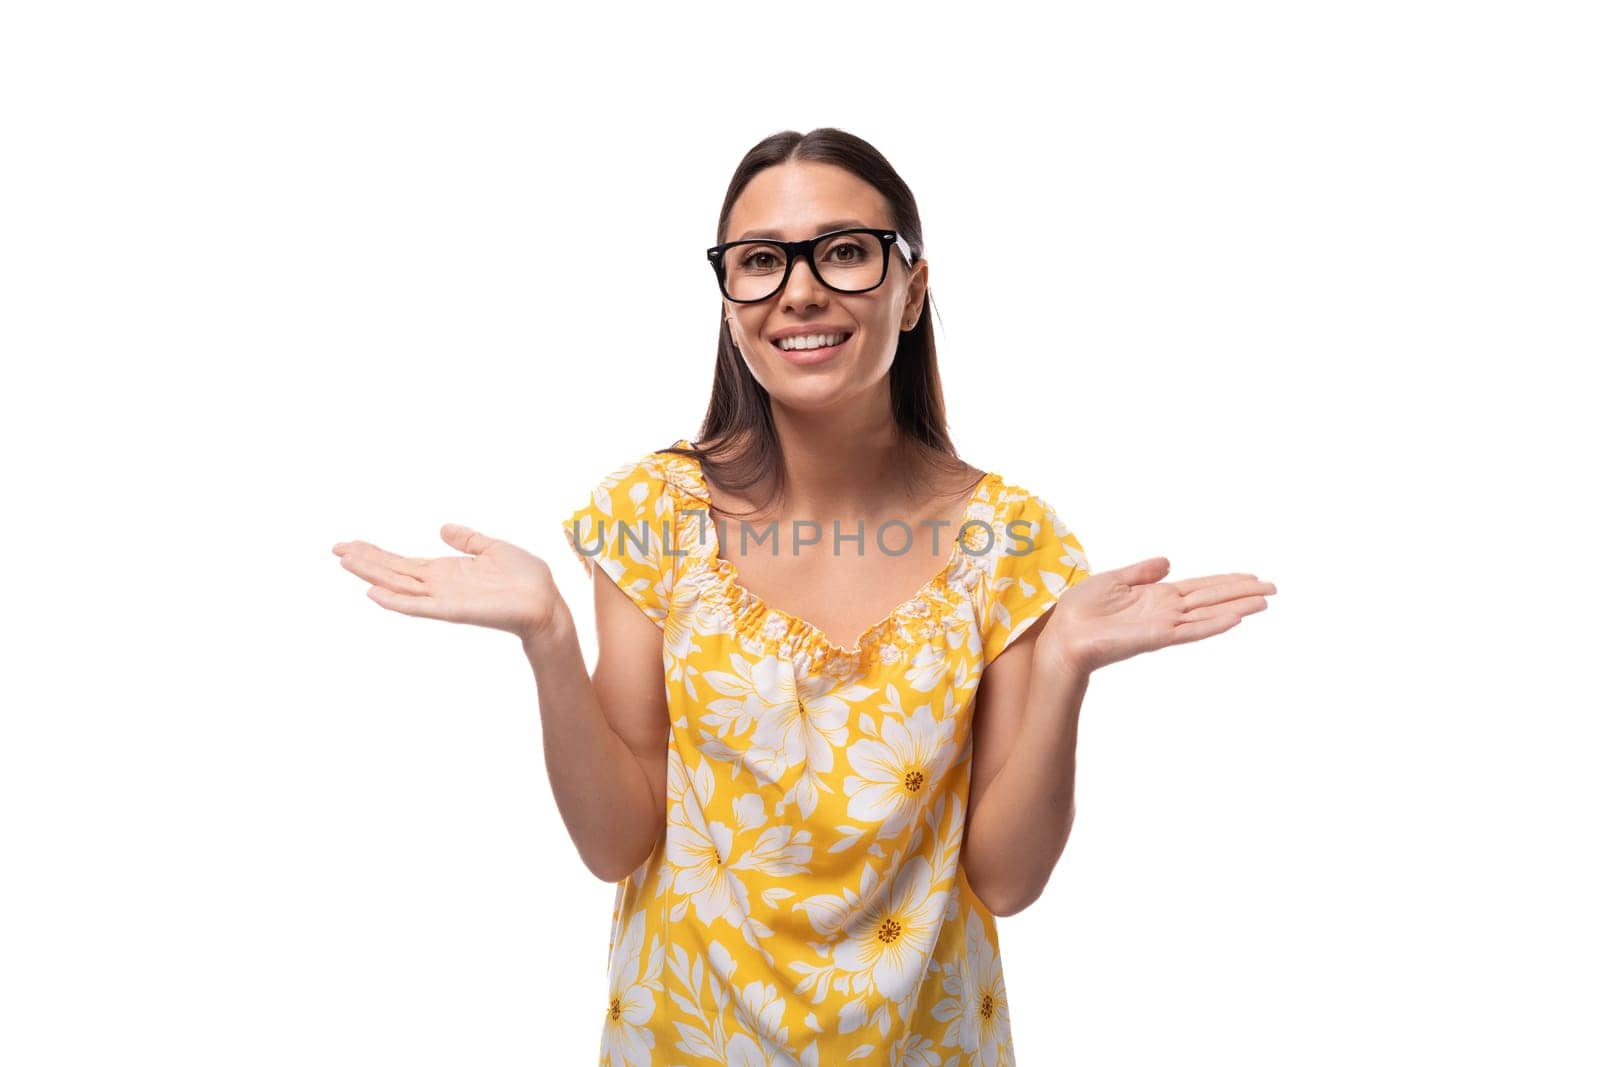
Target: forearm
[(601, 790), (1017, 832)]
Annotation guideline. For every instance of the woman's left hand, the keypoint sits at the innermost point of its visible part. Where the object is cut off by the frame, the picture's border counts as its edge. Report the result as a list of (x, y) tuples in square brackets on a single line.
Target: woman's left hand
[(1115, 615)]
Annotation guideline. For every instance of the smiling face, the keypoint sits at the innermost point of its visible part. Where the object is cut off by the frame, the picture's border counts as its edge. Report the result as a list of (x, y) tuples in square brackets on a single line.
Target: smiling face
[(793, 202)]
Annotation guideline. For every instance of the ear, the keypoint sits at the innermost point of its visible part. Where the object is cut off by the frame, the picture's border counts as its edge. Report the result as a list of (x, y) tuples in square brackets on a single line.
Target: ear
[(916, 295)]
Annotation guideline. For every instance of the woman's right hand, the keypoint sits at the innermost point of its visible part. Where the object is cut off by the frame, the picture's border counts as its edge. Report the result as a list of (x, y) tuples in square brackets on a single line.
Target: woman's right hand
[(496, 584)]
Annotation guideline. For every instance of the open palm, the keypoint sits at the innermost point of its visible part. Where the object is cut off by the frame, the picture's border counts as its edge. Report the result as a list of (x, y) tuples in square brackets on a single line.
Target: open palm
[(496, 584), (1118, 614)]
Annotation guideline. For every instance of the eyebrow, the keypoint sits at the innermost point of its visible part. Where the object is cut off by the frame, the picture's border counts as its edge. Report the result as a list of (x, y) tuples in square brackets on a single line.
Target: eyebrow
[(827, 227)]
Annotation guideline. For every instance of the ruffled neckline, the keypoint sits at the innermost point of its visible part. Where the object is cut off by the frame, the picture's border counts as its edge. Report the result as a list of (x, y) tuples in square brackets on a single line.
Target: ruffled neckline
[(902, 632)]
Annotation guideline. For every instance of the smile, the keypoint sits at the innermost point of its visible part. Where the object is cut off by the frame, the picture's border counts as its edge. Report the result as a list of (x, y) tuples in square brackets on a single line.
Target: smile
[(808, 349)]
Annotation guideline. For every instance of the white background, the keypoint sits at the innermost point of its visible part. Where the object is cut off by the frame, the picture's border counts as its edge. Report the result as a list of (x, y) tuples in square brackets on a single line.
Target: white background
[(1304, 290)]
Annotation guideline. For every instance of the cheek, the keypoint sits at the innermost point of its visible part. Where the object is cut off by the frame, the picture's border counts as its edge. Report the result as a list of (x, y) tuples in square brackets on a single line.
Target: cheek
[(878, 325), (742, 331), (879, 317)]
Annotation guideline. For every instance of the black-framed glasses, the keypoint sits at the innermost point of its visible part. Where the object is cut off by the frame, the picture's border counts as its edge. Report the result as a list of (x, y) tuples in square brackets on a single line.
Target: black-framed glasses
[(846, 261)]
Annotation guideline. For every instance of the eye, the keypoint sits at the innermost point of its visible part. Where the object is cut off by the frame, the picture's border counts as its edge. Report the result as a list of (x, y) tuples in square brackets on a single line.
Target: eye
[(847, 252), (759, 259)]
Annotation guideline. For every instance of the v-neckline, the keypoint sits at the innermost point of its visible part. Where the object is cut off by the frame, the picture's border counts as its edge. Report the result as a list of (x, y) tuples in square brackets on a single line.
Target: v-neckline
[(730, 571)]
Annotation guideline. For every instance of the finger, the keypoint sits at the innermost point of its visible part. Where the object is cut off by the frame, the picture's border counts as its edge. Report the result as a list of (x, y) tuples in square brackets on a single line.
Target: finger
[(366, 565), (416, 568), (423, 607), (1215, 620), (464, 538), (1228, 588), (1188, 585), (1144, 572), (1186, 632)]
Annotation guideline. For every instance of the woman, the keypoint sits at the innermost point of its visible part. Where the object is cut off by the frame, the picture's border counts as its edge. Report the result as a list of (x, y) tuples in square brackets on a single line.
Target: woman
[(815, 811)]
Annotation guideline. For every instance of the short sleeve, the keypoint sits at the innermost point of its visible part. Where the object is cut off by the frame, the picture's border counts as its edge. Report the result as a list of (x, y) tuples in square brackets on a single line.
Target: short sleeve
[(1041, 559), (624, 527)]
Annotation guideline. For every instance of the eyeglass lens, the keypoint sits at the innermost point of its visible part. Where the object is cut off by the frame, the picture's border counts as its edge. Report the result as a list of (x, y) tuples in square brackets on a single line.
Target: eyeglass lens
[(852, 262)]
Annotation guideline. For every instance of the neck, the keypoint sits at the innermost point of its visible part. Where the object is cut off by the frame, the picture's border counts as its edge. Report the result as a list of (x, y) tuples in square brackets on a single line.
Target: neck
[(845, 466)]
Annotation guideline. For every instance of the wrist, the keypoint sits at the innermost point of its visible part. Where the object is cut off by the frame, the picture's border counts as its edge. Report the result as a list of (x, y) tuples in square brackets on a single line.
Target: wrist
[(547, 630), (1062, 665)]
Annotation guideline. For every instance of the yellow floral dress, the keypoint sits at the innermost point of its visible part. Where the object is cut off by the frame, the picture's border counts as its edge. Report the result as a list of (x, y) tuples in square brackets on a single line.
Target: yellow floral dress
[(806, 902)]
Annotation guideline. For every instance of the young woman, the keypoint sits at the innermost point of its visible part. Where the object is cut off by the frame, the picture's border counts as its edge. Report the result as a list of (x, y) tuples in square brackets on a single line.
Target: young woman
[(831, 731)]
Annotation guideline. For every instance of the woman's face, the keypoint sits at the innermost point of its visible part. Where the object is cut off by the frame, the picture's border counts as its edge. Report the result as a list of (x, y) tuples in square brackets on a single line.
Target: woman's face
[(793, 202)]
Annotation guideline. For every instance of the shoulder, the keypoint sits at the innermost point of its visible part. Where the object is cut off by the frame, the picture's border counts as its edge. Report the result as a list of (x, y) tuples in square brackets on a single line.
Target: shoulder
[(1036, 535), (1030, 514), (1035, 557), (625, 526), (641, 486), (626, 504)]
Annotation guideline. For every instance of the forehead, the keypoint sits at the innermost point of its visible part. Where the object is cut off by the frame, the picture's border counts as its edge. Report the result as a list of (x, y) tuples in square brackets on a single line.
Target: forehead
[(796, 200)]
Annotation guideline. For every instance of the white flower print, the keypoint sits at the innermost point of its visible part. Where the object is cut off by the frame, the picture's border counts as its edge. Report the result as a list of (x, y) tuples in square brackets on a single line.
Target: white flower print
[(992, 542), (928, 668), (985, 1015), (699, 852), (780, 850), (897, 773), (764, 1008), (803, 794), (888, 938), (828, 911), (760, 1009), (750, 692), (1069, 554), (749, 811), (743, 1052), (679, 626), (625, 1042), (962, 628), (759, 1037), (806, 728), (914, 1050)]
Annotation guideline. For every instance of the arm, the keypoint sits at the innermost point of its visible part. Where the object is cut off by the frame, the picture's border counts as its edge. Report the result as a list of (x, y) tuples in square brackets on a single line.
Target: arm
[(605, 737), (1024, 770), (1025, 727)]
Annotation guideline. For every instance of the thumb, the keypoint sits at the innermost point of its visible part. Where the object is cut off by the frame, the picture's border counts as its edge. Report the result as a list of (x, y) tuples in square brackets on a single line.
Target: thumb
[(1144, 572), (464, 538)]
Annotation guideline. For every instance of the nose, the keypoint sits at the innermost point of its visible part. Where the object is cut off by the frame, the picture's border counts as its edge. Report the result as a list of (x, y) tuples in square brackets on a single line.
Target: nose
[(802, 289)]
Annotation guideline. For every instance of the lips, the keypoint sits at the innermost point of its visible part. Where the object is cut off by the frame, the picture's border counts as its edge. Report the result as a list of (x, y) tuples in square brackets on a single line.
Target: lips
[(812, 355), (844, 335)]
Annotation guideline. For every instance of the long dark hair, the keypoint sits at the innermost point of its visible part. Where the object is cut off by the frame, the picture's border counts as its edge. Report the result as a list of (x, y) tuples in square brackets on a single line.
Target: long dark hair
[(738, 442)]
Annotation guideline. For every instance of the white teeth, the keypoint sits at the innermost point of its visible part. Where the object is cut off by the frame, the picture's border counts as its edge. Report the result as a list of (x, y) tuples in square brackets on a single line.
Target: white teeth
[(813, 340)]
